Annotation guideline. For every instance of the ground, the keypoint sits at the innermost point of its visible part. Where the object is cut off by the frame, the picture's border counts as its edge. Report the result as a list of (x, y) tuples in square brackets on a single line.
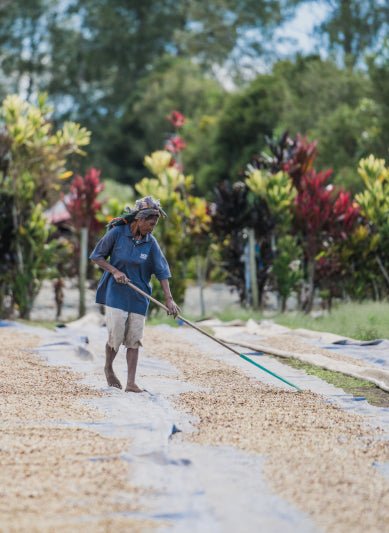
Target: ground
[(58, 475), (53, 475)]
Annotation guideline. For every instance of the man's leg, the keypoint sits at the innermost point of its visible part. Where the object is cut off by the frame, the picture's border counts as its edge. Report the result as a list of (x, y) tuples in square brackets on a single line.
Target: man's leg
[(110, 355), (132, 361), (116, 320), (134, 334)]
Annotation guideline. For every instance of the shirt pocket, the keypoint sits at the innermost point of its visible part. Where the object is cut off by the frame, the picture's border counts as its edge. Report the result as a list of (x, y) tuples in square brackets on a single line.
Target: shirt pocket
[(141, 254)]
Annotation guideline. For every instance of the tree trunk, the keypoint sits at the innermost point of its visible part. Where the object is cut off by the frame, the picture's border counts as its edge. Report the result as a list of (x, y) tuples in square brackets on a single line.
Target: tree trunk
[(311, 286), (253, 269), (83, 269), (382, 268), (200, 282)]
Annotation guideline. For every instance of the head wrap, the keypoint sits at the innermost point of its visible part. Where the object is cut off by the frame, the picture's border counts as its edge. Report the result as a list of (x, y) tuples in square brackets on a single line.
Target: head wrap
[(144, 208)]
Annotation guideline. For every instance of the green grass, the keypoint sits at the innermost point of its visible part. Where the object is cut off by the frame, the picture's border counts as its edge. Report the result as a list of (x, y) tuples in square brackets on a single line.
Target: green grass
[(363, 321), (160, 318), (48, 324), (357, 387), (241, 314)]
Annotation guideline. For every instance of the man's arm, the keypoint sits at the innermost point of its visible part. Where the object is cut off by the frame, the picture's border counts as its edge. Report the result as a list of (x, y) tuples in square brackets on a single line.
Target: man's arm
[(119, 276), (170, 303)]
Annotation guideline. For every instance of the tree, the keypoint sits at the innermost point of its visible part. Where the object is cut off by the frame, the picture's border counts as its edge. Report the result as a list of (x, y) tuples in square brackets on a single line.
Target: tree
[(235, 210), (323, 215), (231, 31), (84, 208), (92, 56), (379, 74), (23, 33), (248, 117), (175, 84), (287, 100), (36, 159), (348, 134), (274, 176), (355, 27)]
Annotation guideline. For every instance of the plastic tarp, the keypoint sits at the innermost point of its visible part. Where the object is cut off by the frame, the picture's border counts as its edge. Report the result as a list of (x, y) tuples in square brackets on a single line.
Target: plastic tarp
[(364, 360)]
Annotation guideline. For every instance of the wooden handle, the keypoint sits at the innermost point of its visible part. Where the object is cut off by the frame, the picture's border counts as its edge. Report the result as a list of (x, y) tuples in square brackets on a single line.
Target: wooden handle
[(197, 328)]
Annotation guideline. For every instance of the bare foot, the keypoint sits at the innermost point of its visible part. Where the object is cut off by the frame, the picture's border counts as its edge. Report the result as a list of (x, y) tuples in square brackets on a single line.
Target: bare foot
[(133, 388), (112, 380)]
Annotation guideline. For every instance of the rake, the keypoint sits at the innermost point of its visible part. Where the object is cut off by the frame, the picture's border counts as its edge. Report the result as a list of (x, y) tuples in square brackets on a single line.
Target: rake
[(200, 330)]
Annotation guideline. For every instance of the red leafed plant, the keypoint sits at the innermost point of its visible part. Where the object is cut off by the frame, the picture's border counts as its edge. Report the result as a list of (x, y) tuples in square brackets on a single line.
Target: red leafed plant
[(346, 213), (175, 144), (176, 118), (83, 205), (301, 163), (323, 215)]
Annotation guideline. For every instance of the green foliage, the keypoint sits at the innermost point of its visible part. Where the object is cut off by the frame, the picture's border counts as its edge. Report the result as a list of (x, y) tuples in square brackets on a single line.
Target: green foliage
[(358, 253), (347, 120), (248, 117), (353, 27), (354, 133), (121, 83), (36, 161), (39, 258), (176, 84), (286, 267), (374, 200), (187, 219), (374, 203), (278, 192)]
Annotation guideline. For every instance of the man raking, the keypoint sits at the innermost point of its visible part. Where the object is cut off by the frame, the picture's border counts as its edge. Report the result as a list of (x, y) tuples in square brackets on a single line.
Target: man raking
[(134, 255)]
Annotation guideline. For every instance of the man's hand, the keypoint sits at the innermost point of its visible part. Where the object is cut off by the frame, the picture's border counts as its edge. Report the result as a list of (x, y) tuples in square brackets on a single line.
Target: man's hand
[(173, 308), (120, 277)]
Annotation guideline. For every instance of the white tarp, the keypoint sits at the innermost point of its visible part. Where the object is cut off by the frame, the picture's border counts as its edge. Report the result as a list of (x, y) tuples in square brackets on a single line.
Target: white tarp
[(357, 359)]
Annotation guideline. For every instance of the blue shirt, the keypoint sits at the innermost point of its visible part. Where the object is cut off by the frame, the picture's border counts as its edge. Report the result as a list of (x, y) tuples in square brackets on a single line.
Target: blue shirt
[(139, 260)]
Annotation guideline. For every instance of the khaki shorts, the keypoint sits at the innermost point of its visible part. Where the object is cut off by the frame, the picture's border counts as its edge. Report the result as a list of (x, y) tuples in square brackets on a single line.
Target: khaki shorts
[(124, 328)]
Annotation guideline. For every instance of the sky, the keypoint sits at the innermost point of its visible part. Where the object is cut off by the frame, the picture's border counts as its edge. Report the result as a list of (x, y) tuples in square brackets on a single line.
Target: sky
[(294, 36), (301, 27)]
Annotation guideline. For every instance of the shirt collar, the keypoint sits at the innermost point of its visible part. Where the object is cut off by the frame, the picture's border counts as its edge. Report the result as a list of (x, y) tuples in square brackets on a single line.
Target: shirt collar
[(145, 238)]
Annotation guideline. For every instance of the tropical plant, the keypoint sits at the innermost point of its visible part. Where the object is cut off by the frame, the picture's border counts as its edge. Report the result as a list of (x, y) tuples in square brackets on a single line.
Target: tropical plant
[(234, 211), (187, 221), (84, 208), (323, 216), (35, 161), (374, 205), (83, 204), (277, 191), (287, 267)]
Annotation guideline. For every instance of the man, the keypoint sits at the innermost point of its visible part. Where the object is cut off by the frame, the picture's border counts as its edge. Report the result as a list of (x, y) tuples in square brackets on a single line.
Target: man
[(134, 255)]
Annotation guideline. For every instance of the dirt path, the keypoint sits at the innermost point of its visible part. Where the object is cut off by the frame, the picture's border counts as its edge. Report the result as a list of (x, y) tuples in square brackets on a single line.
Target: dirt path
[(55, 476), (319, 457)]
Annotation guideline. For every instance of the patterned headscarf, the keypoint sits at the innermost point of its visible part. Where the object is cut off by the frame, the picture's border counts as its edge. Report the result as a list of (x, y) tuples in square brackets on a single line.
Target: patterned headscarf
[(144, 208)]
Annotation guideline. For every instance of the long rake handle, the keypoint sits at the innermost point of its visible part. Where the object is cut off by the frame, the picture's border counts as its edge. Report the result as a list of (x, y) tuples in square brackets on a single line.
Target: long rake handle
[(181, 317), (200, 330)]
